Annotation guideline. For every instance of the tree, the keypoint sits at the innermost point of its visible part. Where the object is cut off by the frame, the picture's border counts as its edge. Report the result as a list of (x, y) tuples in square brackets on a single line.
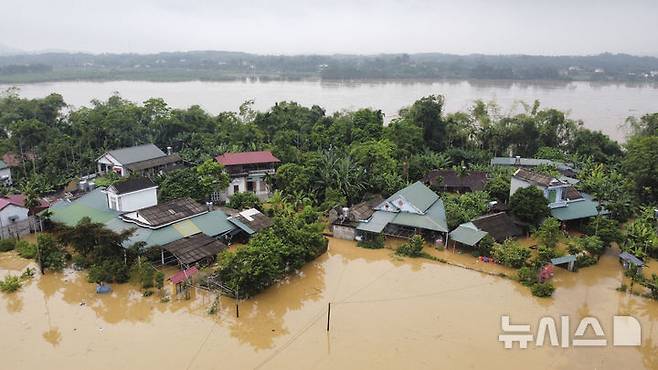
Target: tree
[(510, 253), (426, 113), (641, 164), (244, 200), (465, 207), (549, 232), (499, 187), (529, 205), (212, 177)]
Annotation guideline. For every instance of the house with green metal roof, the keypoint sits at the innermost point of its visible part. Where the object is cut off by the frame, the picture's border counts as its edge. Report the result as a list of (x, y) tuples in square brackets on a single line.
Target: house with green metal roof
[(155, 225), (564, 200), (414, 209)]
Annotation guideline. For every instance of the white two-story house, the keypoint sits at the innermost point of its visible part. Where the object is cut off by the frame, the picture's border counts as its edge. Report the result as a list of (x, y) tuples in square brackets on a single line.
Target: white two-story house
[(248, 171), (564, 200), (145, 160)]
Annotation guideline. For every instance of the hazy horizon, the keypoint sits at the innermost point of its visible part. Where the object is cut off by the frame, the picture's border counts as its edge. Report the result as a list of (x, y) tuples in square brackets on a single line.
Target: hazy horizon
[(295, 27)]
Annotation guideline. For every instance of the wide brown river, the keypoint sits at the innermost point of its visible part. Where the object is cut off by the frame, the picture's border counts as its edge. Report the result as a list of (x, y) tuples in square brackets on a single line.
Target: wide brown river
[(386, 313), (601, 106)]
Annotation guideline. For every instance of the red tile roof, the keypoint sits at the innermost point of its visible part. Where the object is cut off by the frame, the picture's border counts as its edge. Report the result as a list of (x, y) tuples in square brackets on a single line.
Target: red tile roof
[(181, 276), (233, 159), (19, 200)]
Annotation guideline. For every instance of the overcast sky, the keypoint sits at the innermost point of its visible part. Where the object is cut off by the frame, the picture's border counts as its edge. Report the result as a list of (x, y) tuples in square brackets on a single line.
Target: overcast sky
[(333, 26)]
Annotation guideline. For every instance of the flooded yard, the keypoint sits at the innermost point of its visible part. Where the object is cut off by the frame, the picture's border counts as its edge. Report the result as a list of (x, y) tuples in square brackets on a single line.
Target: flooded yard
[(386, 313)]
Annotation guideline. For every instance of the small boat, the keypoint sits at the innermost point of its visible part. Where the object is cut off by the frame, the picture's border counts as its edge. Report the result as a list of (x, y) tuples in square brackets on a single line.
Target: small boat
[(103, 288)]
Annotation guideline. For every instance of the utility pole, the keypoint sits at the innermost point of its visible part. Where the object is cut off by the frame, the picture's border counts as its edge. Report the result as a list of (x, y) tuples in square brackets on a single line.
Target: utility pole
[(237, 302), (328, 314)]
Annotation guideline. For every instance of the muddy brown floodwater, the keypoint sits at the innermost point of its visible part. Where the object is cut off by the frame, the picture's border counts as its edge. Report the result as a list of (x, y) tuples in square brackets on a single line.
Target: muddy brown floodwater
[(386, 313)]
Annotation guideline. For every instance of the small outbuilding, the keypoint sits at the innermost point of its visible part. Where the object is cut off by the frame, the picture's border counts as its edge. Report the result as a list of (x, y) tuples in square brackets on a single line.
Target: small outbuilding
[(454, 181), (198, 248), (628, 259)]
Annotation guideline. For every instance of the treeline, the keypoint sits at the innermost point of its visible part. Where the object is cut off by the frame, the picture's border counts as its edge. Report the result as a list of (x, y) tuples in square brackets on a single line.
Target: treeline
[(329, 159), (221, 65)]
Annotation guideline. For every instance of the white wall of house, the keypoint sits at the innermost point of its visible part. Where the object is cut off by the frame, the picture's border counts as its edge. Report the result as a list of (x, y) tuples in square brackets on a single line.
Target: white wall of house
[(133, 201), (5, 176), (107, 163), (12, 212), (240, 185)]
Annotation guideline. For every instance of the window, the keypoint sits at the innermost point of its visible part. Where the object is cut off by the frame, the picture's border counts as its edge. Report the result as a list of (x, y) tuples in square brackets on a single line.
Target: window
[(552, 196), (236, 189), (250, 186)]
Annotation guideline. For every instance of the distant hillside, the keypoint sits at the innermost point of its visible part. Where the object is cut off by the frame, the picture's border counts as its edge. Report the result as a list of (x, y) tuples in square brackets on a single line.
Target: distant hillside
[(223, 65)]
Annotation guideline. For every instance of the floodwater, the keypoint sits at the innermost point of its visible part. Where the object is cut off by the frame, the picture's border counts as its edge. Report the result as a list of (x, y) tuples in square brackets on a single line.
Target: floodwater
[(386, 313), (602, 106)]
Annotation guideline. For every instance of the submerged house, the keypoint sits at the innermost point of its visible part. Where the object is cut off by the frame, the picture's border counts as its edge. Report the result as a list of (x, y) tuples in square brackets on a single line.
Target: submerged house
[(412, 210), (181, 228), (248, 171), (564, 200), (344, 221), (144, 160), (565, 169), (499, 226)]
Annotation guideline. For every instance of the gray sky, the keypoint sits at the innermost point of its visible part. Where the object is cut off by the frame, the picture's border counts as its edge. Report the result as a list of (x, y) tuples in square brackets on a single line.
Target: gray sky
[(333, 26)]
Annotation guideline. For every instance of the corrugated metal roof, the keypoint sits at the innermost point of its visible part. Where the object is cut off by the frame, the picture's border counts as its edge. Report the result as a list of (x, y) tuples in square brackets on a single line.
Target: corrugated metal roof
[(136, 153), (417, 194), (578, 209), (377, 222), (467, 235), (234, 159), (631, 258), (434, 219), (564, 259)]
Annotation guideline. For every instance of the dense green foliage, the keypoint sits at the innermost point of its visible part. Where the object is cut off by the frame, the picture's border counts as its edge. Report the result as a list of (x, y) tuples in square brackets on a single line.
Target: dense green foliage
[(529, 205), (26, 249), (641, 238), (544, 289), (412, 248), (7, 244), (272, 254), (465, 207), (510, 253), (10, 284), (52, 255), (549, 232), (373, 241), (244, 200)]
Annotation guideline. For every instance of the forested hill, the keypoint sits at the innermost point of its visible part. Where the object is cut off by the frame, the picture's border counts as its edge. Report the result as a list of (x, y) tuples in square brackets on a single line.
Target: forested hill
[(222, 65)]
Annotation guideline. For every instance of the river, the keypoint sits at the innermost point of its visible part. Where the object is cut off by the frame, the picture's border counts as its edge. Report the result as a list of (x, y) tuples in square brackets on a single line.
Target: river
[(387, 313), (601, 106)]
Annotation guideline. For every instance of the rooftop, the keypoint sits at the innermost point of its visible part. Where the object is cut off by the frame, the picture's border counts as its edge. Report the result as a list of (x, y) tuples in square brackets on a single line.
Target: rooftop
[(165, 213), (536, 178), (234, 159), (194, 248), (137, 153), (251, 221), (499, 225), (131, 184), (473, 180)]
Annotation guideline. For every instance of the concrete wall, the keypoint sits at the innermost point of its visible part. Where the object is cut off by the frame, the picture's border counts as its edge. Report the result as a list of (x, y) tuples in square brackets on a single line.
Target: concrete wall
[(343, 232), (11, 211), (133, 201)]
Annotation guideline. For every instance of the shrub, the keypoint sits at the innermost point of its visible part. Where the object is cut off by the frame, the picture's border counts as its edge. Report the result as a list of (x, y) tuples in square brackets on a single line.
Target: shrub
[(413, 248), (549, 232), (527, 276), (545, 254), (52, 254), (159, 280), (510, 253), (109, 271), (484, 246), (244, 200), (608, 230), (529, 205), (542, 289), (7, 245), (25, 249), (374, 242), (10, 284), (146, 273)]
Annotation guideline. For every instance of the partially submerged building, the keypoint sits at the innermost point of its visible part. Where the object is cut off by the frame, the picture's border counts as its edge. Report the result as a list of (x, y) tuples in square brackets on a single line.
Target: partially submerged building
[(183, 220), (145, 160), (564, 200), (413, 210), (345, 220), (456, 182), (248, 171), (499, 226)]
